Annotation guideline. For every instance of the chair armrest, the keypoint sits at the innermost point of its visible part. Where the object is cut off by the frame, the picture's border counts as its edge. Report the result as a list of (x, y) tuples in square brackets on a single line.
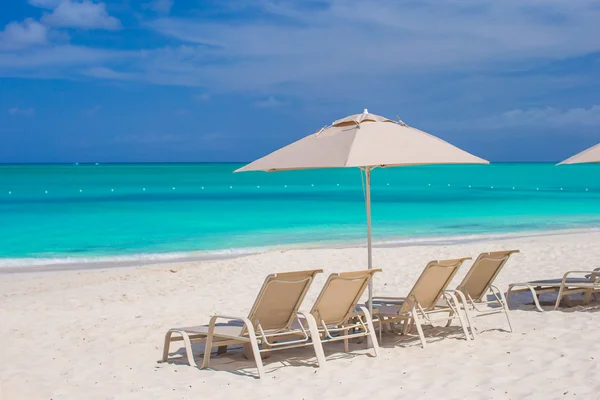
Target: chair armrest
[(222, 316), (389, 300), (245, 320), (566, 275)]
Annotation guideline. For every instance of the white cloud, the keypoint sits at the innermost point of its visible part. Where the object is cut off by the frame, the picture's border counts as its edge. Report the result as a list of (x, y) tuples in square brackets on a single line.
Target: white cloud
[(270, 102), (551, 116), (161, 6), (209, 140), (182, 112), (58, 57), (22, 112), (334, 48), (20, 35), (202, 97), (91, 111), (108, 73), (360, 41), (151, 138), (85, 15), (546, 118), (49, 4)]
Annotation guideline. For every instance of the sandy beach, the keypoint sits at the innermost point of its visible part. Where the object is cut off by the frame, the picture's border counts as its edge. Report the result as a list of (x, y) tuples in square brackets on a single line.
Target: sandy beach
[(97, 334)]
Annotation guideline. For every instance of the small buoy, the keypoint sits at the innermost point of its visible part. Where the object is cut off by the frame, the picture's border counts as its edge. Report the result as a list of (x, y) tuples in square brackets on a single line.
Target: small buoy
[(448, 184), (11, 192), (312, 184), (338, 184), (258, 187), (284, 185), (112, 190), (513, 188), (45, 191), (429, 184), (144, 189), (561, 188), (469, 186), (230, 187), (202, 188), (537, 188), (388, 184), (80, 190), (96, 163), (585, 190), (492, 187)]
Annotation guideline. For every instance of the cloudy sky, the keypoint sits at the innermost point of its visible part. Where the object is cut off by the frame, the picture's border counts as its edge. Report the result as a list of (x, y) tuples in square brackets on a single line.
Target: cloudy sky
[(230, 80)]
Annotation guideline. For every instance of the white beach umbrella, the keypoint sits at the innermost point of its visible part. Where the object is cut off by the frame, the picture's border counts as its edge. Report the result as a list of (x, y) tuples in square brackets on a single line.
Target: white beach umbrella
[(591, 155), (364, 141)]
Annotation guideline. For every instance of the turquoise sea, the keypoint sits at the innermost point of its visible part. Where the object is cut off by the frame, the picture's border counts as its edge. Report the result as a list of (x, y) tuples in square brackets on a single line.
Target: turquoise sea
[(89, 213)]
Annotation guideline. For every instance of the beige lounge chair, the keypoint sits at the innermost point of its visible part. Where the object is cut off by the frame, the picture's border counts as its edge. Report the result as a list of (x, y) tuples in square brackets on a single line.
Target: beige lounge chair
[(423, 301), (268, 325), (478, 283), (336, 310), (588, 284)]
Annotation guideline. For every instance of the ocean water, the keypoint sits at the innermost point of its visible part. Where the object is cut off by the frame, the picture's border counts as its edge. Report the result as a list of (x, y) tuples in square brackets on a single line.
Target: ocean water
[(90, 213)]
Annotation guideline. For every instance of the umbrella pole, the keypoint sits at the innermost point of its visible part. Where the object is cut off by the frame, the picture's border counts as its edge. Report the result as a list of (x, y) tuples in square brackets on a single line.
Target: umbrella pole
[(369, 241)]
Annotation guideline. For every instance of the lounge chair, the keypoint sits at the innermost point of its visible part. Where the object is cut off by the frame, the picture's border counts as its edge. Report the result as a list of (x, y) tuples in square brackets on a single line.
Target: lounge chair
[(268, 325), (423, 305), (336, 312), (588, 284), (478, 283)]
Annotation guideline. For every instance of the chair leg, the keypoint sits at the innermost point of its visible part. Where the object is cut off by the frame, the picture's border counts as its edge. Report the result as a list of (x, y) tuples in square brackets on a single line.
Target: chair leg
[(450, 318), (316, 339), (406, 326), (257, 357), (371, 328), (165, 355), (207, 349), (465, 308), (346, 341), (504, 304), (559, 297), (533, 294), (255, 349), (460, 317), (417, 322), (188, 349), (315, 336)]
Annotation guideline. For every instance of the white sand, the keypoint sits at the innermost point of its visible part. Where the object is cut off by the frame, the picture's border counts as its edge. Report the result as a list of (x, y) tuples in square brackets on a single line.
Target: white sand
[(97, 334)]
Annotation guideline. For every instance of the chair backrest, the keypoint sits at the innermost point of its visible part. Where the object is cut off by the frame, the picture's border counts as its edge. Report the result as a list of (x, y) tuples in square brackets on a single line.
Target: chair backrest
[(340, 295), (483, 272), (280, 298), (434, 279)]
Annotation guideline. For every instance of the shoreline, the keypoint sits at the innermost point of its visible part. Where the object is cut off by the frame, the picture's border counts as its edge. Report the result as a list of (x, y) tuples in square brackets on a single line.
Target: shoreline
[(139, 260)]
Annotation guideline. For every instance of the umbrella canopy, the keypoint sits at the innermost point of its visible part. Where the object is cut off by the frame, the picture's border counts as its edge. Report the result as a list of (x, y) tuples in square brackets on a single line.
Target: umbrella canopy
[(591, 155), (365, 141)]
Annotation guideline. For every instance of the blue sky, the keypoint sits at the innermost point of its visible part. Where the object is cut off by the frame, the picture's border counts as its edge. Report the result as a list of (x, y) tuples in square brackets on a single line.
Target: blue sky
[(229, 80)]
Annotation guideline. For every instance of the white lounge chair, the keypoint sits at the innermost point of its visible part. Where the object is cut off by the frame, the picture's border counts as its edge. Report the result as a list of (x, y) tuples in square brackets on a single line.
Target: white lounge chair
[(336, 312), (584, 282), (422, 305), (478, 284), (268, 326)]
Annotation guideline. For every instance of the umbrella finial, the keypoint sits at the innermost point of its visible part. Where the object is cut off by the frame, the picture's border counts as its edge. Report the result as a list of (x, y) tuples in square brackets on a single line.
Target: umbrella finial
[(366, 111)]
